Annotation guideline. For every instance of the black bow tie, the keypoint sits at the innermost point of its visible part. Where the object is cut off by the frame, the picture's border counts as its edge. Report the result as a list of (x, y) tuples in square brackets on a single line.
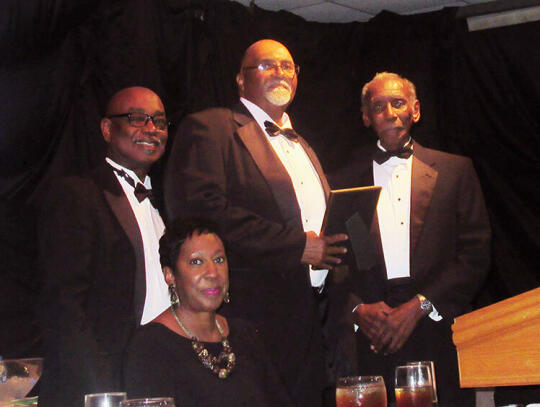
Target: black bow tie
[(140, 191), (380, 156), (274, 131)]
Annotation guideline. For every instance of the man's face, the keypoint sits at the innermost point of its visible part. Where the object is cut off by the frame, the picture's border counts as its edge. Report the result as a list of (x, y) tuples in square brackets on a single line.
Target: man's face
[(136, 148), (391, 112), (271, 89)]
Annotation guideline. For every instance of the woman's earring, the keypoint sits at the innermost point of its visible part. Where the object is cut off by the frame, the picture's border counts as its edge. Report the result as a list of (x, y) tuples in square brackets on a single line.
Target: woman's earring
[(227, 298), (173, 296)]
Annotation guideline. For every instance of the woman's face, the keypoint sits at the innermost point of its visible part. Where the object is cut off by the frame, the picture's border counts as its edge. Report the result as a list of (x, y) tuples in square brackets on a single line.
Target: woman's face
[(202, 273)]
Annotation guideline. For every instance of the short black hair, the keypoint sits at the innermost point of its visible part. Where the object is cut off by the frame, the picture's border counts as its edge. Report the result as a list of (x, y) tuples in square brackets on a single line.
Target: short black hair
[(176, 234)]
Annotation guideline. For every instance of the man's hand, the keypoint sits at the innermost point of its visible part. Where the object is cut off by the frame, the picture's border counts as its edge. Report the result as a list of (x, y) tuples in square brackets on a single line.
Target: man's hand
[(371, 319), (319, 250), (399, 326)]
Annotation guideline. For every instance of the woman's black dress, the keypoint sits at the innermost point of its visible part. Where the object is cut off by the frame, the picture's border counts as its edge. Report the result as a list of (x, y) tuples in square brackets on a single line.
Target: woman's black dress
[(161, 363)]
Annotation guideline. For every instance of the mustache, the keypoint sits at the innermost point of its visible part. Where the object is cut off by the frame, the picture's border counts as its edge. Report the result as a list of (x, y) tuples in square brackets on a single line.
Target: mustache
[(279, 82)]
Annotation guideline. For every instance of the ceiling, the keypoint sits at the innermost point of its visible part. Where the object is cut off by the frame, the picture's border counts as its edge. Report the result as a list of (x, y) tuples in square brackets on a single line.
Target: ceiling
[(344, 11)]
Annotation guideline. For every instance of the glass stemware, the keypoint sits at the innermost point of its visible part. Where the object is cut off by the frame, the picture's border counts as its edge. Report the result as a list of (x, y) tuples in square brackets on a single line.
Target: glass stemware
[(361, 391)]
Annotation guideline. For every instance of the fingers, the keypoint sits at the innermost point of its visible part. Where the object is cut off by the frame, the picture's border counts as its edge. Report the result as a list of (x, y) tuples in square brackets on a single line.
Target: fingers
[(385, 308), (400, 325), (396, 344), (332, 239), (380, 344), (329, 259), (373, 322), (320, 252)]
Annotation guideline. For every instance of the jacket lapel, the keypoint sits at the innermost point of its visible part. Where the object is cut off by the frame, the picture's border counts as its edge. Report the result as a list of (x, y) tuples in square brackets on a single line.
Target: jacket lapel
[(270, 166), (423, 180), (317, 165), (120, 206)]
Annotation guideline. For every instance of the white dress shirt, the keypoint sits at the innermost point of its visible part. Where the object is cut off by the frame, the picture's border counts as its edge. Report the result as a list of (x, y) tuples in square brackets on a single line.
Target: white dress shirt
[(394, 215), (307, 185), (152, 228)]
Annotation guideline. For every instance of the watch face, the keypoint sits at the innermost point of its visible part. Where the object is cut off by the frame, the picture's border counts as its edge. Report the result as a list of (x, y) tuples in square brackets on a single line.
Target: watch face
[(426, 306)]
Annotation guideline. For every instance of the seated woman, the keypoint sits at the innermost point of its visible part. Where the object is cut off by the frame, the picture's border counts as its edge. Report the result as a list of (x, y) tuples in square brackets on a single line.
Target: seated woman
[(189, 352)]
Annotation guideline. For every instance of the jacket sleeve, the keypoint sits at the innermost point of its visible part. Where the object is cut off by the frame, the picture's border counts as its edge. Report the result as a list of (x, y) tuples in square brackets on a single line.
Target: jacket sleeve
[(452, 283), (67, 242)]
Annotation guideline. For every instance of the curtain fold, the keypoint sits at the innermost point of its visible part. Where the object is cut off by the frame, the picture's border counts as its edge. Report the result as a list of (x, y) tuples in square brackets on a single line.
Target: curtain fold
[(479, 94)]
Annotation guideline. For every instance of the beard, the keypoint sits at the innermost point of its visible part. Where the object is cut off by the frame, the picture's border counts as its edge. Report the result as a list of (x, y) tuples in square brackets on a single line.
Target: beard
[(278, 93)]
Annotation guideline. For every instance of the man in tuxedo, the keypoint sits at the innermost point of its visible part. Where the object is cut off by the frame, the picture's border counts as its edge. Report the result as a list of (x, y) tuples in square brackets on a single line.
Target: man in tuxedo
[(99, 239), (431, 235), (247, 169)]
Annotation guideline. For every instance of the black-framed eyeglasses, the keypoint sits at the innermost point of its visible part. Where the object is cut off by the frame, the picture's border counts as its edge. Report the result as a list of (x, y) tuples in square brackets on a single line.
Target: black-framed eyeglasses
[(288, 68), (141, 119)]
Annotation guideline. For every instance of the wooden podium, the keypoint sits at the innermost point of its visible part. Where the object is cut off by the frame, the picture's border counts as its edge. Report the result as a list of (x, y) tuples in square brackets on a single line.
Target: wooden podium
[(499, 345)]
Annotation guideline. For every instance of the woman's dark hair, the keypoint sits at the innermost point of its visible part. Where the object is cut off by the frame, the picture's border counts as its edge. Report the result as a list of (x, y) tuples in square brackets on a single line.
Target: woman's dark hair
[(176, 234)]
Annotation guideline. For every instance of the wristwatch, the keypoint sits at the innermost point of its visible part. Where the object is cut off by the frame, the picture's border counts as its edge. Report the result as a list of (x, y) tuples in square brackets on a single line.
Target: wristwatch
[(425, 304)]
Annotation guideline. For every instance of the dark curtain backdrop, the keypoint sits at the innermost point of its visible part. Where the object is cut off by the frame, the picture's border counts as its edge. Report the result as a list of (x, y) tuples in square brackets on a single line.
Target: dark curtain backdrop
[(62, 59)]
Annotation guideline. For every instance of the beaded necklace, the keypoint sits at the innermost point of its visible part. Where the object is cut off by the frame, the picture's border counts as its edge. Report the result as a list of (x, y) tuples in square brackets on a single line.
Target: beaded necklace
[(215, 364)]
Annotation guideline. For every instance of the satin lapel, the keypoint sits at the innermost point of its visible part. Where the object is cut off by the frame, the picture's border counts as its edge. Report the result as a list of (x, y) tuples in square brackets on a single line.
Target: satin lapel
[(368, 180), (424, 178), (364, 174), (317, 165), (119, 204), (271, 168)]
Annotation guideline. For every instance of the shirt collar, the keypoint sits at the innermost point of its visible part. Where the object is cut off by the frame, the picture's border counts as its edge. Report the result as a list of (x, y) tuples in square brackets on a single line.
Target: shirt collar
[(131, 173), (405, 145), (261, 116), (394, 161)]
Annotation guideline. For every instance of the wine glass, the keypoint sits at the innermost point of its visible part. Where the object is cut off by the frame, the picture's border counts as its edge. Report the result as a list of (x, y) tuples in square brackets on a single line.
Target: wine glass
[(414, 387), (431, 366), (149, 402), (361, 391), (104, 399)]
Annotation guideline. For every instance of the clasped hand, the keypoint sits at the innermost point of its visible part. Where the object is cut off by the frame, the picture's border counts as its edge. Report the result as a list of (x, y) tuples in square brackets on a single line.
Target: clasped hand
[(320, 251), (388, 328)]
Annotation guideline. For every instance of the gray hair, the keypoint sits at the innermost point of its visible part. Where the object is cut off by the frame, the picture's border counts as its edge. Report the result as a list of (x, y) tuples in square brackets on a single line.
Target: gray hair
[(386, 75)]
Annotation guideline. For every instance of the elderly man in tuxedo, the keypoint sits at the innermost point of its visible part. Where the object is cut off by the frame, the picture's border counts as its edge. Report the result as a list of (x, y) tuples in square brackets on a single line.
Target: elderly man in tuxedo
[(248, 170), (431, 235), (99, 239)]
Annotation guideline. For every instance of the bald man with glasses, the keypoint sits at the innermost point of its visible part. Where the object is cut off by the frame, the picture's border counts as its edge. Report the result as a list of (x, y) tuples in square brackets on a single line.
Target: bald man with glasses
[(248, 170), (99, 239)]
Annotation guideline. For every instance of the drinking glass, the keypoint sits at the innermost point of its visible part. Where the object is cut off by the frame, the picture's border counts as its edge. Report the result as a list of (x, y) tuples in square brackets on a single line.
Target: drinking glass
[(104, 399), (149, 402), (17, 377), (414, 387), (431, 366), (361, 391)]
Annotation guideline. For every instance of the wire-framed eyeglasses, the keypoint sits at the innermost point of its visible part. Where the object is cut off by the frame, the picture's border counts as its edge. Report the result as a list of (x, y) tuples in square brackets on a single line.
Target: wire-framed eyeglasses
[(288, 68)]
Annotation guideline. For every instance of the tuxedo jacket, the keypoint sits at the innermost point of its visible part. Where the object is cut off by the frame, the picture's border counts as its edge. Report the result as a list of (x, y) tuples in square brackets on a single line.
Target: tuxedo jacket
[(449, 256), (91, 253), (449, 229), (222, 167)]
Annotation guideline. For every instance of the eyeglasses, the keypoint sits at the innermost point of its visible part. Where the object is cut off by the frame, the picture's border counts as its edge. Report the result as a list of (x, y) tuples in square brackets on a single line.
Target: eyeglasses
[(141, 119), (288, 68)]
